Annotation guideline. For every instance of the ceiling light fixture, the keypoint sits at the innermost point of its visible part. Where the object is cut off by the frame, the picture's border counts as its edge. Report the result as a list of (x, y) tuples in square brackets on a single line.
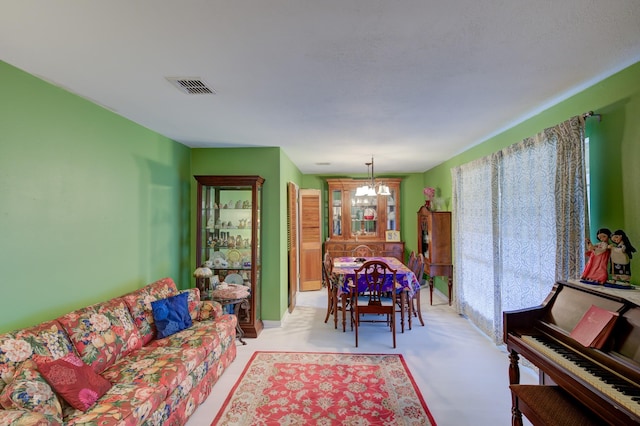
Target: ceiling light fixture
[(369, 188)]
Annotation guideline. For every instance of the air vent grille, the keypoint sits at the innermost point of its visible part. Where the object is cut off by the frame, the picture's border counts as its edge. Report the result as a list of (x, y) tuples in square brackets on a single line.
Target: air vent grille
[(191, 85)]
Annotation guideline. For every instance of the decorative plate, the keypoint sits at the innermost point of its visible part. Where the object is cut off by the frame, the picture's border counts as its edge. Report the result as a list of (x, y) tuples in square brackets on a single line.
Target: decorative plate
[(234, 256), (218, 254), (234, 279)]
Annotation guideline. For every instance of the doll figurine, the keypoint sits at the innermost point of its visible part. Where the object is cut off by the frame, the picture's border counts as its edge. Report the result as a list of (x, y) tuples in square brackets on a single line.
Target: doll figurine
[(621, 252), (597, 269)]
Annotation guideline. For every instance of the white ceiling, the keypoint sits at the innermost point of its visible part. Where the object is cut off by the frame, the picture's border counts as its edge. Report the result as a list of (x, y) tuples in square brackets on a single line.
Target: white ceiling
[(411, 82)]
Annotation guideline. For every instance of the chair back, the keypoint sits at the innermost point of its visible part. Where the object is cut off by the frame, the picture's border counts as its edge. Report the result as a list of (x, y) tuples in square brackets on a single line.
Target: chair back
[(376, 274), (418, 268), (376, 299), (362, 251), (411, 264), (327, 269)]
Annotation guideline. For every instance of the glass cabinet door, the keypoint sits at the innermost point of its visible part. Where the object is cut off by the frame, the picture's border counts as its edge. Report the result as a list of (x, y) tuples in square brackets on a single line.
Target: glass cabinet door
[(228, 238), (336, 206), (392, 222), (364, 215)]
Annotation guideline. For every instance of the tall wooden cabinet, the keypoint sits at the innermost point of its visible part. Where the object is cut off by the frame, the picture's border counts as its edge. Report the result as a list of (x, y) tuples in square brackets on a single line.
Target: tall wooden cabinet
[(363, 220), (434, 242), (228, 237)]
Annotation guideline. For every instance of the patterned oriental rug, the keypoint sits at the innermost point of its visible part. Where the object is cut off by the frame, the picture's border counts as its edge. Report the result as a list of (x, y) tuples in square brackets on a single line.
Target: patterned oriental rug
[(310, 388)]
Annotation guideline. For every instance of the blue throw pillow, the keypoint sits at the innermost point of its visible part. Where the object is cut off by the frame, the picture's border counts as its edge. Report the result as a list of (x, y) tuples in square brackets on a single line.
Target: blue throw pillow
[(171, 314)]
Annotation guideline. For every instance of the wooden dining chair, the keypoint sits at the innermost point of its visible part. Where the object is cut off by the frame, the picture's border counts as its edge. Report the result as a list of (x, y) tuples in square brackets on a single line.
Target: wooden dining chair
[(334, 303), (418, 270), (326, 276), (362, 250), (370, 299), (412, 260)]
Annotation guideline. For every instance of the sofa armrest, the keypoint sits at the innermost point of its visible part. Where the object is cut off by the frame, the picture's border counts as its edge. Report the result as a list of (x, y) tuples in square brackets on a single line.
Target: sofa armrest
[(209, 309)]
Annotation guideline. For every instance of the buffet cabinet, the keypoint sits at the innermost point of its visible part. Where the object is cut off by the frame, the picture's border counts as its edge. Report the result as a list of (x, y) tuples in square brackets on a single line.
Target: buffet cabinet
[(434, 242), (355, 220), (228, 238)]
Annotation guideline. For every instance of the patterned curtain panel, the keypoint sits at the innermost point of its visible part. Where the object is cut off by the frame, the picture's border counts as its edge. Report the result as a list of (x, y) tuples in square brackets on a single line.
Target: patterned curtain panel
[(519, 224), (474, 236), (572, 226)]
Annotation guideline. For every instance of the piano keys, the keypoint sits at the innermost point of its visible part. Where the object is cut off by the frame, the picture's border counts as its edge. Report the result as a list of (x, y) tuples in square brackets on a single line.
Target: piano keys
[(606, 381)]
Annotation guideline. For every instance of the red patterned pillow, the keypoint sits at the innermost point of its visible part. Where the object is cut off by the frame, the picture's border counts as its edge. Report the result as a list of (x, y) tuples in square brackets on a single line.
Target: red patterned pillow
[(75, 381)]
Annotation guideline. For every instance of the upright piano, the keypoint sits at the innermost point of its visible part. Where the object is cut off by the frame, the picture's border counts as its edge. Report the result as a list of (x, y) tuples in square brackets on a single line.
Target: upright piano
[(603, 383)]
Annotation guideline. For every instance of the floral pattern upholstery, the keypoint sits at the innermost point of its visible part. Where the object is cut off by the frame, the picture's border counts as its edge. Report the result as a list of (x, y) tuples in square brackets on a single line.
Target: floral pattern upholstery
[(102, 334), (194, 302), (29, 391), (158, 382), (209, 310), (139, 303), (47, 340)]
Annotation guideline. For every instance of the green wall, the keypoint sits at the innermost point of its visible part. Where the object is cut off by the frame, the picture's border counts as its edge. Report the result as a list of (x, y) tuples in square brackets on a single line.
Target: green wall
[(92, 205), (615, 152), (277, 169)]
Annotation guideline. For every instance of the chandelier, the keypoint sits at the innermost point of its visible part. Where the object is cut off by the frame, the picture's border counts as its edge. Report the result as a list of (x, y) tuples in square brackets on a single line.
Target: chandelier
[(369, 189)]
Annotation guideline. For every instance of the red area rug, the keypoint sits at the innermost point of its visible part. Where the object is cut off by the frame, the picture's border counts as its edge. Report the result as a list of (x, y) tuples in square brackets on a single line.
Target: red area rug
[(290, 388)]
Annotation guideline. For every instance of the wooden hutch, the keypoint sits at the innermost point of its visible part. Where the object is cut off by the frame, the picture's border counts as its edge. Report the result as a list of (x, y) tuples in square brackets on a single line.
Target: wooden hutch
[(363, 220), (434, 242)]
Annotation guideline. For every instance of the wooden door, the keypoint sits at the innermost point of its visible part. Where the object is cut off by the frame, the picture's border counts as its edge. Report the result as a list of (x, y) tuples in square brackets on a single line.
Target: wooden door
[(292, 242), (310, 240)]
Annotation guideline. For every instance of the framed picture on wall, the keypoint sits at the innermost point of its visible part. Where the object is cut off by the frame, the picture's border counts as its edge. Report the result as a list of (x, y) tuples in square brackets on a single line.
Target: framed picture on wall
[(392, 235)]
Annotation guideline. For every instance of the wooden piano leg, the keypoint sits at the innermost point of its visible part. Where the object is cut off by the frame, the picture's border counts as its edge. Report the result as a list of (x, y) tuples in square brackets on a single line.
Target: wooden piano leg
[(514, 379), (516, 415), (514, 368), (450, 285)]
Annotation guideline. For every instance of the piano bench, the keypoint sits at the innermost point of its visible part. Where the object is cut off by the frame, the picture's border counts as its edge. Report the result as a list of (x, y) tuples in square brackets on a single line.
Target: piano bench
[(551, 406)]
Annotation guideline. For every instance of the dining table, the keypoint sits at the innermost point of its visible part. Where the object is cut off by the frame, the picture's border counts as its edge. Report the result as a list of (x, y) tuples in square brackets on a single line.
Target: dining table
[(407, 285)]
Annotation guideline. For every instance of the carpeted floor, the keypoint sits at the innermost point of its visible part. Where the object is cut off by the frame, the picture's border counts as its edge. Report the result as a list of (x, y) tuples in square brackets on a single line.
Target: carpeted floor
[(301, 388), (461, 374)]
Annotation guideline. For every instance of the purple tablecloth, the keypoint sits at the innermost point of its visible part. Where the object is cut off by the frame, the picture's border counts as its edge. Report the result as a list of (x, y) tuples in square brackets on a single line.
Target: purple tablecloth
[(344, 271)]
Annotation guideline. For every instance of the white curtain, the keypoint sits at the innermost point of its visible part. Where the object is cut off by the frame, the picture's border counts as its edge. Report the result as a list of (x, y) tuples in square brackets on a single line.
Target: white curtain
[(516, 228)]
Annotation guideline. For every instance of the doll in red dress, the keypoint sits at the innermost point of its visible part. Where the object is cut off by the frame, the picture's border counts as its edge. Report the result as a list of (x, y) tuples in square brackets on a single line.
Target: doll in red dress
[(597, 269)]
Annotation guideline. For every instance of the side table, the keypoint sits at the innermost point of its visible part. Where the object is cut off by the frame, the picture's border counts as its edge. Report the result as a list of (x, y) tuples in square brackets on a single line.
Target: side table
[(236, 303)]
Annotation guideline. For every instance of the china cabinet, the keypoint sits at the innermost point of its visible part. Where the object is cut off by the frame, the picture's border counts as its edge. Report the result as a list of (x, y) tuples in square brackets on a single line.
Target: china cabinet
[(434, 242), (355, 220), (228, 238)]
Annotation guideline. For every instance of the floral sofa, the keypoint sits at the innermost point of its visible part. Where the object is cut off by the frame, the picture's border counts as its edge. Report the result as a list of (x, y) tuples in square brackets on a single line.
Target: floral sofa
[(149, 381)]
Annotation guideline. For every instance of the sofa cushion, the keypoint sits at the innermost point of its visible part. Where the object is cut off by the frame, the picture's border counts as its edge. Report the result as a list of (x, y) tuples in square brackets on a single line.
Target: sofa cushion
[(29, 391), (209, 310), (26, 417), (194, 302), (75, 381), (102, 333), (153, 366), (47, 340), (171, 315), (198, 336), (139, 303), (123, 404)]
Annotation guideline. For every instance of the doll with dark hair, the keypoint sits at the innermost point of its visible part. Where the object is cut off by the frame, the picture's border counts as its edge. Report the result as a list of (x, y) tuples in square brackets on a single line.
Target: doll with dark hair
[(621, 252), (597, 269)]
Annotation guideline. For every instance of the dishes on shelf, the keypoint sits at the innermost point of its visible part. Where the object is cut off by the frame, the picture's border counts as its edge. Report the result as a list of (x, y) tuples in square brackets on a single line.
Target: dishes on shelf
[(234, 256), (218, 254), (234, 279)]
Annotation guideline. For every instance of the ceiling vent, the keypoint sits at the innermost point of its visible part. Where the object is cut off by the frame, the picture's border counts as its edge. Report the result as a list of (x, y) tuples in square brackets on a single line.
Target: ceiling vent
[(191, 85)]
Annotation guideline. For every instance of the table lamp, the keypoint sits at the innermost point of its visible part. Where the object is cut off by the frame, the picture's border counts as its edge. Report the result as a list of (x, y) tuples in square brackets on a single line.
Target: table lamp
[(203, 276)]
